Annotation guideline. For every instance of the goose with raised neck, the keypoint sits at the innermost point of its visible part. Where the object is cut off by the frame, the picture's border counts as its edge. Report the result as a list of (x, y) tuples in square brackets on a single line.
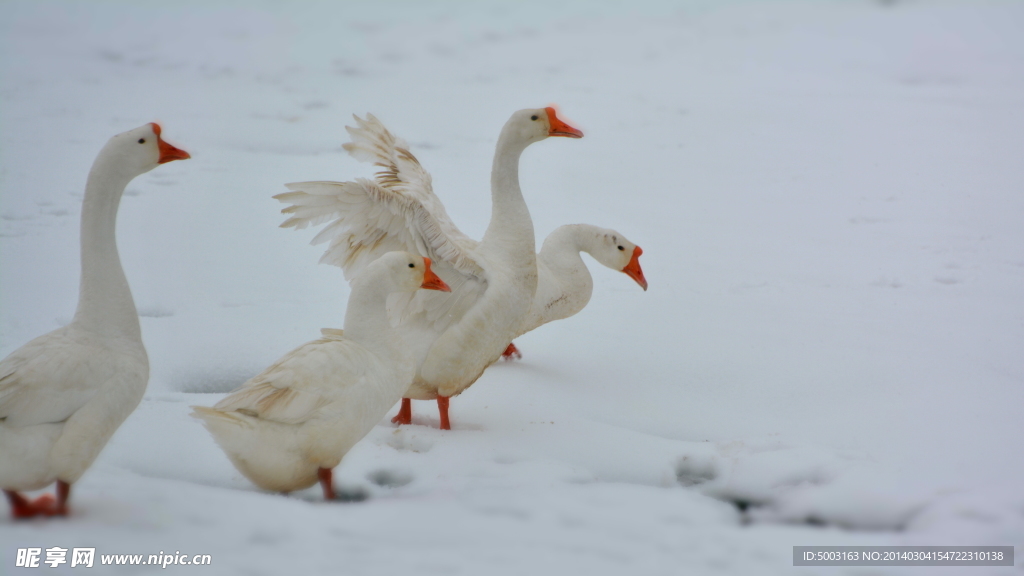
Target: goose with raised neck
[(288, 427), (493, 281), (459, 355), (510, 230), (63, 394)]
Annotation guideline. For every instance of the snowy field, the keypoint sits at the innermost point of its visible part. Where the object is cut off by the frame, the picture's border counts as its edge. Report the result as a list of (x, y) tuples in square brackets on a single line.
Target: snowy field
[(830, 199)]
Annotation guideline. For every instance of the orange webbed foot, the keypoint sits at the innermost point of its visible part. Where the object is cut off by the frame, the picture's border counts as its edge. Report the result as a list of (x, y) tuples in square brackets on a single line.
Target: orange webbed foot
[(511, 352), (45, 505), (404, 415)]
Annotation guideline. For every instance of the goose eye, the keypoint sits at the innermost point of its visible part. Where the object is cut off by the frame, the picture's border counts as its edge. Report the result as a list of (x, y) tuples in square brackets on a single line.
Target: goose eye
[(411, 265), (621, 248), (534, 117), (142, 140)]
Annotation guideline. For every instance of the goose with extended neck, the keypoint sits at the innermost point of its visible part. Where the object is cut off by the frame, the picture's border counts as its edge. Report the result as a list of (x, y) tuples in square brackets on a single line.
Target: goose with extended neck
[(289, 426), (64, 394), (493, 281)]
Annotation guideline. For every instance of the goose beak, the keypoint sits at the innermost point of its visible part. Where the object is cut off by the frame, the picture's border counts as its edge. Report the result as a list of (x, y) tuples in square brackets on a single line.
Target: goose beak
[(432, 281), (559, 128), (633, 269), (167, 152)]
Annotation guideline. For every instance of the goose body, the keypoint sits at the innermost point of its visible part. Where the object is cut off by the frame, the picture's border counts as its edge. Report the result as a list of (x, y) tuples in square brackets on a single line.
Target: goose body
[(289, 426), (454, 337), (63, 394)]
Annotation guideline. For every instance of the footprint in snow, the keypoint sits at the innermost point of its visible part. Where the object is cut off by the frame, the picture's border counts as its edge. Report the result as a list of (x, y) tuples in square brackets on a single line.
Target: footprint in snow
[(350, 493), (342, 494), (694, 470), (155, 311), (404, 440), (390, 478)]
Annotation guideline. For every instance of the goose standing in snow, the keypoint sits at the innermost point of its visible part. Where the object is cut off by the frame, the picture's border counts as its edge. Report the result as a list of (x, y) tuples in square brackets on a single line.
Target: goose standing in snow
[(493, 281), (63, 394), (289, 426)]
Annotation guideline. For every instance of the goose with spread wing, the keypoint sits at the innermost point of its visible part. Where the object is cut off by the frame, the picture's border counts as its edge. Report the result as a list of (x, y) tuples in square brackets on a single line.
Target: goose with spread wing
[(493, 281)]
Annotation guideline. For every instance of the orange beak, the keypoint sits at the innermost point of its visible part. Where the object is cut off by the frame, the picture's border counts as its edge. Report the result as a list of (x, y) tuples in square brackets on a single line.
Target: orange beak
[(559, 128), (432, 281), (633, 269), (167, 152)]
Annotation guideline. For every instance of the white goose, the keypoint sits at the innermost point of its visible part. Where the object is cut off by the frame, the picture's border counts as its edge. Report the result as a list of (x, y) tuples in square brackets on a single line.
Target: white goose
[(292, 424), (494, 281), (63, 394)]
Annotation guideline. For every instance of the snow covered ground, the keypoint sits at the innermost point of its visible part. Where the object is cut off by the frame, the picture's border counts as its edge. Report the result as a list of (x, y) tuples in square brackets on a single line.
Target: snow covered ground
[(829, 199)]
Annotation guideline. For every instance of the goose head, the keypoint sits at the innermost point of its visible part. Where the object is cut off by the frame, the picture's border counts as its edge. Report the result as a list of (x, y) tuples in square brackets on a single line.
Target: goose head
[(408, 272), (535, 124), (139, 150), (616, 252)]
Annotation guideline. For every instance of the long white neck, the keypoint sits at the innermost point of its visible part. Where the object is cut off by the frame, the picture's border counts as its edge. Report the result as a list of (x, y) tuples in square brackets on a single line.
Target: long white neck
[(105, 302), (511, 227), (366, 318), (565, 284)]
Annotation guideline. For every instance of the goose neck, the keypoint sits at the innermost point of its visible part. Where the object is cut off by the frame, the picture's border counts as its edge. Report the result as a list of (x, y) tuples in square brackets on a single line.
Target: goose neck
[(510, 218), (560, 254), (564, 244), (105, 302), (366, 319)]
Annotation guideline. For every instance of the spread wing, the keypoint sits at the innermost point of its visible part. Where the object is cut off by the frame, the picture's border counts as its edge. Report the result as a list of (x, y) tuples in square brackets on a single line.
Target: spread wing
[(396, 211)]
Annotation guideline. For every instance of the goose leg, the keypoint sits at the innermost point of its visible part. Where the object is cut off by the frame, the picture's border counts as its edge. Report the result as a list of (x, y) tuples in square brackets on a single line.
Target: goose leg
[(511, 352), (325, 482), (63, 493), (404, 415), (21, 507), (442, 408)]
